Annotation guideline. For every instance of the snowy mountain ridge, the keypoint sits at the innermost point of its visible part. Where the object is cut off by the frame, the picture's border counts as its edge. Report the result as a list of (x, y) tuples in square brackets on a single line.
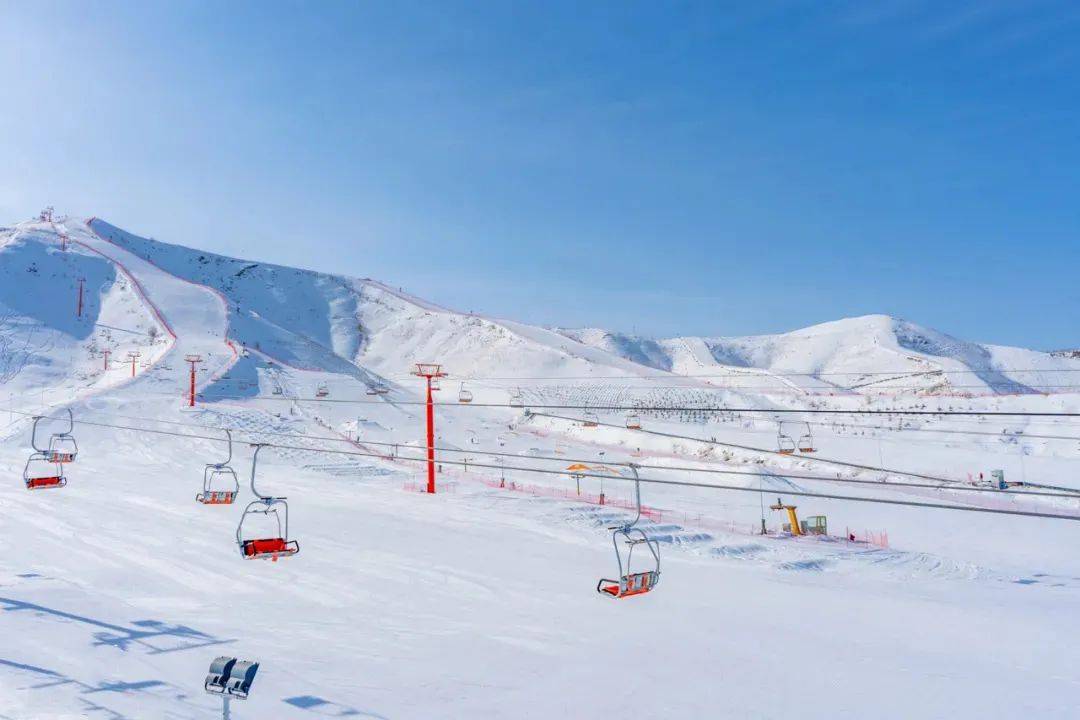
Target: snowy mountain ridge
[(871, 352), (368, 331)]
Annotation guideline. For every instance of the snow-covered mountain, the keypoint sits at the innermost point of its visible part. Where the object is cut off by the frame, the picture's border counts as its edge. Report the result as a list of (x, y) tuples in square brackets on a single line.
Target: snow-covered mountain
[(363, 330), (339, 324), (481, 601), (873, 353)]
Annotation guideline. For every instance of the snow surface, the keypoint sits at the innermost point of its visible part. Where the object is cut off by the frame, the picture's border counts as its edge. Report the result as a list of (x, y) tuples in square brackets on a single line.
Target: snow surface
[(480, 601)]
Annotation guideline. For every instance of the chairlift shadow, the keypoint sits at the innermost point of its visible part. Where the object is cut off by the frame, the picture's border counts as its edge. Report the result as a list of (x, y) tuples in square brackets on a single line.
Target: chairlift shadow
[(123, 638)]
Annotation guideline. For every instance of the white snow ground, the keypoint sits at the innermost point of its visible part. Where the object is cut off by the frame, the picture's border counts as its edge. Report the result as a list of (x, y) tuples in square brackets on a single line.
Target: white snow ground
[(117, 591)]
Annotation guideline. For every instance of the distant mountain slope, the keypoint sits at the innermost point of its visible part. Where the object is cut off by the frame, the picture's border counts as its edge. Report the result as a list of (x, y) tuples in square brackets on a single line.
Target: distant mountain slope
[(46, 344), (367, 331), (363, 328), (869, 353)]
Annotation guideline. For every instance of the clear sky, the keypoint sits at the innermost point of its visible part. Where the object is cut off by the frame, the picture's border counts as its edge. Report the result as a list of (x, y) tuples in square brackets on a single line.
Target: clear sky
[(692, 168)]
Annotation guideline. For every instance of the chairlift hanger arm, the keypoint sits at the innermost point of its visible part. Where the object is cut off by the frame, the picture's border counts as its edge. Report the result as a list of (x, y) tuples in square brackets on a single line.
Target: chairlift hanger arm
[(228, 435), (33, 434), (254, 462)]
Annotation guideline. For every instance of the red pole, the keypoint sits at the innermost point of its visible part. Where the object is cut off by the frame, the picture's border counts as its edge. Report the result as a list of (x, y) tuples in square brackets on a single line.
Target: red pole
[(430, 440), (191, 390), (430, 371), (132, 367)]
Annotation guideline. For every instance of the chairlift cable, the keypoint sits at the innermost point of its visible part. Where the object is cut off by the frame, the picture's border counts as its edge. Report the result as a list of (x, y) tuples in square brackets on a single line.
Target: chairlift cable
[(655, 481), (938, 483)]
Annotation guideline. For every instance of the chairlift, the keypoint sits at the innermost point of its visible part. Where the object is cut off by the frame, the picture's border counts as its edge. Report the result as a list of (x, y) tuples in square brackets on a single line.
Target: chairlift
[(633, 421), (322, 391), (277, 390), (220, 483), (517, 400), (632, 583), (464, 395), (784, 444), (377, 389), (62, 446), (806, 441), (590, 420), (275, 545), (43, 473)]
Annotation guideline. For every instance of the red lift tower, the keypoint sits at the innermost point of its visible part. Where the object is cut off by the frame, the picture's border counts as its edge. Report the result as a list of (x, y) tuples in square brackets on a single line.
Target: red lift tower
[(133, 356), (431, 372), (106, 353), (194, 360)]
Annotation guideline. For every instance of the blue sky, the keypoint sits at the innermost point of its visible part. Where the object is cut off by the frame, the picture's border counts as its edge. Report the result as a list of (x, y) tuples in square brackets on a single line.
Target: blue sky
[(692, 168)]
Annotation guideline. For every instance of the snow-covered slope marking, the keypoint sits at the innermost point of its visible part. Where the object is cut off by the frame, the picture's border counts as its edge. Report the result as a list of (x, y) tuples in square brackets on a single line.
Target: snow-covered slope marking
[(196, 316), (60, 355)]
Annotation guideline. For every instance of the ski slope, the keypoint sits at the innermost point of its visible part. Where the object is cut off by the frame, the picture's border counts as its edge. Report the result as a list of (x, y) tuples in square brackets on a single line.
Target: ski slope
[(480, 601)]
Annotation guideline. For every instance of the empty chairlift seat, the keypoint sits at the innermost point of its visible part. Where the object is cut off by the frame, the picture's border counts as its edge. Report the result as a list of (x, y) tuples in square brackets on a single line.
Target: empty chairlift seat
[(631, 582), (62, 448), (784, 444), (220, 483), (271, 540), (464, 394), (42, 473)]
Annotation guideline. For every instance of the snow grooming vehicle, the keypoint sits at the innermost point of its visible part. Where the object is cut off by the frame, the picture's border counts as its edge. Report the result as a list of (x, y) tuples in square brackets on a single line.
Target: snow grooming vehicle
[(43, 473), (631, 583), (62, 446), (267, 506), (220, 483)]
